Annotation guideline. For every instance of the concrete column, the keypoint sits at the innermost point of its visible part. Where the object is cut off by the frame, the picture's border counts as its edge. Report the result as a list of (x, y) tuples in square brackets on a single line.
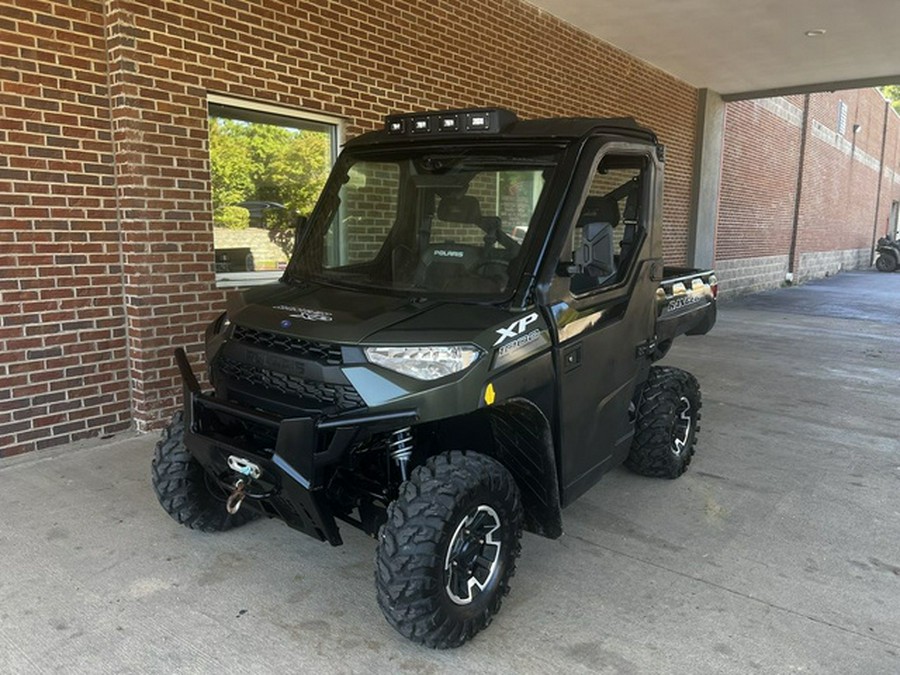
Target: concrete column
[(708, 145)]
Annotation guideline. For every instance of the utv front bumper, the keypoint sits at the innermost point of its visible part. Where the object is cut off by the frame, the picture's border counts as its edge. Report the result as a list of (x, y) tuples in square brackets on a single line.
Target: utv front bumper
[(295, 455)]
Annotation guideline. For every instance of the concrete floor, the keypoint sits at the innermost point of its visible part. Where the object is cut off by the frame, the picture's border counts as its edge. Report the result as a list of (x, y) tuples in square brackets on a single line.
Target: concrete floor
[(778, 552)]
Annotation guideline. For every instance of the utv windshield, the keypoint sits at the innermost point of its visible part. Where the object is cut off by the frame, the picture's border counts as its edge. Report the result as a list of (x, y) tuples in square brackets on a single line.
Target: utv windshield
[(427, 222)]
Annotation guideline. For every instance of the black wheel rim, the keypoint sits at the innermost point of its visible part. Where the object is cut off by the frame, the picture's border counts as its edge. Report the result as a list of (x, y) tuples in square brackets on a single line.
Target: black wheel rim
[(473, 555), (684, 423)]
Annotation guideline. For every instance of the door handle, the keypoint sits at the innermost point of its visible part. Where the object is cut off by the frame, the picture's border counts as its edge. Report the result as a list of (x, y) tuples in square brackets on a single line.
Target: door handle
[(571, 358)]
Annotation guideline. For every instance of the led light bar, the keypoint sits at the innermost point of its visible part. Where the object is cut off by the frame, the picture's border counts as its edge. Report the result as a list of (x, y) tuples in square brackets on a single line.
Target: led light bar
[(487, 121)]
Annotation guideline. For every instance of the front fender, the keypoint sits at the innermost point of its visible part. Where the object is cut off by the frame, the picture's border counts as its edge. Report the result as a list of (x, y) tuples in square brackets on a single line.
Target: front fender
[(523, 443), (517, 434)]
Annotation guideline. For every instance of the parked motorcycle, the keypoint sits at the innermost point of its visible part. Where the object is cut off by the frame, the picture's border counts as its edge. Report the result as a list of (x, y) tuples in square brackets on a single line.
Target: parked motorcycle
[(888, 255)]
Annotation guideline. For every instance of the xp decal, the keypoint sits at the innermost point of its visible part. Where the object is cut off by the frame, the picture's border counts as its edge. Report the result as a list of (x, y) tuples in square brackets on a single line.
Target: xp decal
[(514, 329)]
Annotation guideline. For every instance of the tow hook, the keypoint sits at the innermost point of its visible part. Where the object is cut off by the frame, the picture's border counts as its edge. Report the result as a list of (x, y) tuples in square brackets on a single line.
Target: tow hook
[(248, 471), (236, 498)]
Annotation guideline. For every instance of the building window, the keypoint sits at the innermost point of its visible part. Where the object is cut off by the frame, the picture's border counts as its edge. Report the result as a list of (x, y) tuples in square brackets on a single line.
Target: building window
[(842, 117), (267, 167)]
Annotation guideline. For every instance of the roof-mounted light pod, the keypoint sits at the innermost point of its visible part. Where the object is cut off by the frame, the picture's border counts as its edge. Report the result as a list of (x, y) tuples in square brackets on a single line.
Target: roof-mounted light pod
[(421, 125), (449, 123), (478, 121)]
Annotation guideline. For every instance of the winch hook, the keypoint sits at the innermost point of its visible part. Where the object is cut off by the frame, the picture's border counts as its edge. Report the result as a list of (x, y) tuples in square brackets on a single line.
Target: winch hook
[(236, 498)]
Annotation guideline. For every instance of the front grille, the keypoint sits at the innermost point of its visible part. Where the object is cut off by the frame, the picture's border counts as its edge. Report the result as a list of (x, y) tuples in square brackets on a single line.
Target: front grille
[(234, 429), (325, 353), (318, 394)]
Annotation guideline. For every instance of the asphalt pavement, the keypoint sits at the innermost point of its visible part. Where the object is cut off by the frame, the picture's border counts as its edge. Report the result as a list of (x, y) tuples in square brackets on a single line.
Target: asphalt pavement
[(778, 552)]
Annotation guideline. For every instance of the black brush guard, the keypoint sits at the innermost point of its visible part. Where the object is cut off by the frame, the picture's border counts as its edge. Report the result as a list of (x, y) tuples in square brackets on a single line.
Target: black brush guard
[(292, 453)]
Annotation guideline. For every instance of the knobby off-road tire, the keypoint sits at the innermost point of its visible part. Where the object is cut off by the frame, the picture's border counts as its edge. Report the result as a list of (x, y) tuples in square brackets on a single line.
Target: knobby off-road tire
[(457, 507), (886, 263), (668, 420), (181, 486)]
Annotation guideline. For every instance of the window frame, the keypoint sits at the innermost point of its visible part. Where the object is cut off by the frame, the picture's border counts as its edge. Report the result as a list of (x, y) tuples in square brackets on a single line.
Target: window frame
[(843, 114), (260, 112), (645, 220)]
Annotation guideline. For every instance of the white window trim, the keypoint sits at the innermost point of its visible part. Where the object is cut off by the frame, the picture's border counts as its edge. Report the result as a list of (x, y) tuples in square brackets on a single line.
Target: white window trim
[(282, 111), (245, 279)]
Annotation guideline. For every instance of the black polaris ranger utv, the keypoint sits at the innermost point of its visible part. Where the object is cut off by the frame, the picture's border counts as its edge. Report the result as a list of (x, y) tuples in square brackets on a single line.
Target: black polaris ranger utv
[(460, 346)]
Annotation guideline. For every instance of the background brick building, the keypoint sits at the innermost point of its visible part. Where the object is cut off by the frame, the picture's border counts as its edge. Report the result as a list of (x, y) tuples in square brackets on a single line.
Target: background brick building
[(107, 240), (809, 209)]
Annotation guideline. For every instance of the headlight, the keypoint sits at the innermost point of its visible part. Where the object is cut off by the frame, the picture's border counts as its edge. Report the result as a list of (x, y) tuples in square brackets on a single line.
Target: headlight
[(216, 327), (424, 363), (220, 324)]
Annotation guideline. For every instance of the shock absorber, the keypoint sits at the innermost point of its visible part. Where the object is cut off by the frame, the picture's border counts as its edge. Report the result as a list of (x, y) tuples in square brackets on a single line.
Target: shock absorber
[(400, 446)]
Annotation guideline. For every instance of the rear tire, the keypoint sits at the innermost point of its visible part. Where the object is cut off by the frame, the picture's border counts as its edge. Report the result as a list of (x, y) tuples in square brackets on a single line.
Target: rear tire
[(183, 489), (668, 417), (886, 263), (448, 549)]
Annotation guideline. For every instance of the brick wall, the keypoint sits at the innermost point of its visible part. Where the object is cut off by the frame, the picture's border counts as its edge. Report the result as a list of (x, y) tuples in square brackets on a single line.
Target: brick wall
[(840, 183), (760, 159), (107, 233), (840, 186), (63, 369)]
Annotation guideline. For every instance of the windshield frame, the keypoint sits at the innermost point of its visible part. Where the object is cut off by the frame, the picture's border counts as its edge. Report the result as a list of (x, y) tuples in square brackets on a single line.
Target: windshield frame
[(533, 244)]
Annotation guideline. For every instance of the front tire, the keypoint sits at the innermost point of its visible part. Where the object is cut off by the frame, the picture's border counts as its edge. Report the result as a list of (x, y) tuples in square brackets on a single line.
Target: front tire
[(448, 549), (668, 419), (886, 263), (183, 488)]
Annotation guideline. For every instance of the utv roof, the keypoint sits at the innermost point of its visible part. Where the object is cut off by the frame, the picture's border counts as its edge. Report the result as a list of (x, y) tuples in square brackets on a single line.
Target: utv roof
[(494, 123)]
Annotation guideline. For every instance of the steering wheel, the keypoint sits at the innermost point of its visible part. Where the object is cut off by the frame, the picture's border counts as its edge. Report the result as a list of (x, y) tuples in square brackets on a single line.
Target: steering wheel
[(501, 265)]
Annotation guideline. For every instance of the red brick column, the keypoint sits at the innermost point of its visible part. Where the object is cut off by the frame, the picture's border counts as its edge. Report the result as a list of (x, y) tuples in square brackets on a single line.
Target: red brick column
[(159, 122), (63, 373)]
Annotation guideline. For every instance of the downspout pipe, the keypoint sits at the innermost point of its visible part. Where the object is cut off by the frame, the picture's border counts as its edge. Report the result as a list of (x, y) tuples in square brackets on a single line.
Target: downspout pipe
[(887, 110), (798, 192)]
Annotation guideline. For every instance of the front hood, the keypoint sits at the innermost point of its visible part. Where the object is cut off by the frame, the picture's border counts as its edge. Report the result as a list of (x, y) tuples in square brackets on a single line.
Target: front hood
[(344, 316)]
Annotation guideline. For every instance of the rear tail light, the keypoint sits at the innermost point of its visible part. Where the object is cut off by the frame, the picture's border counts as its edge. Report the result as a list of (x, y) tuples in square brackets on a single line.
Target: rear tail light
[(714, 286)]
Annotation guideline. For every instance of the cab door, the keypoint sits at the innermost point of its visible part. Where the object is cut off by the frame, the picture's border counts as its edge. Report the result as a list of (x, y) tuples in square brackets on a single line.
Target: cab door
[(604, 313)]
